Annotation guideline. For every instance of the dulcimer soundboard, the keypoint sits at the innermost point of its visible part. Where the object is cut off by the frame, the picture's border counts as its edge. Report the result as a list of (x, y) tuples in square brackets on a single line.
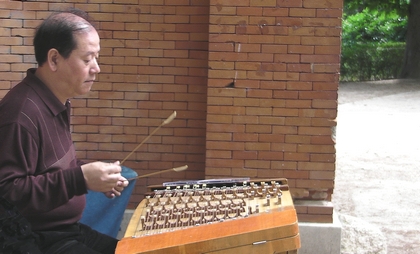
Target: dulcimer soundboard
[(214, 216)]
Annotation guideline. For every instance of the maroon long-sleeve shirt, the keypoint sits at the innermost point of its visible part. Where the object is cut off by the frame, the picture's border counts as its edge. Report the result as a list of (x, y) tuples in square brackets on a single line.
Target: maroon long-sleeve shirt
[(39, 172)]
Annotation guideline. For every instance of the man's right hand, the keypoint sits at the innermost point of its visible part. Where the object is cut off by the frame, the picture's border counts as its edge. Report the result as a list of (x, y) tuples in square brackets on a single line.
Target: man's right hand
[(101, 176)]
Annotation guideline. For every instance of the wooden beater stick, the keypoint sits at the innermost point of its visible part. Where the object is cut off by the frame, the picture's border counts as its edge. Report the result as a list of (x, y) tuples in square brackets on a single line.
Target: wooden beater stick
[(178, 169), (168, 120)]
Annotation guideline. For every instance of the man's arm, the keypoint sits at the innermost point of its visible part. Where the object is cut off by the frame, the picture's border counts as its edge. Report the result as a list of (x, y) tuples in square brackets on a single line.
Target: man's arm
[(26, 183)]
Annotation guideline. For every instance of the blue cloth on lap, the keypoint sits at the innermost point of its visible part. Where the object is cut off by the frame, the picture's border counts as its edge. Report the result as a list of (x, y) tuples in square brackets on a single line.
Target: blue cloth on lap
[(104, 214)]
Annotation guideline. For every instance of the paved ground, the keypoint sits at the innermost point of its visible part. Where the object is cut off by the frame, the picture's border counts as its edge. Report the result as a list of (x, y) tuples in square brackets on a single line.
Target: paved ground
[(377, 193)]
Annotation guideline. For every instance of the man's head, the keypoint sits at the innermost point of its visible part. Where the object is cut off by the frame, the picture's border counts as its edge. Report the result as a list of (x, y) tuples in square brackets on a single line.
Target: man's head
[(66, 49), (58, 31)]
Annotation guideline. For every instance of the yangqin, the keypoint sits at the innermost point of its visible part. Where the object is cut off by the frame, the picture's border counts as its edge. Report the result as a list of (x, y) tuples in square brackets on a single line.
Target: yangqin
[(214, 216)]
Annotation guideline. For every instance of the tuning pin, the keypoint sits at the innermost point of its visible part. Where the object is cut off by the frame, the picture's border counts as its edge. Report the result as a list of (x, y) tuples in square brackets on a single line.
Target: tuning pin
[(267, 198), (279, 197), (251, 197)]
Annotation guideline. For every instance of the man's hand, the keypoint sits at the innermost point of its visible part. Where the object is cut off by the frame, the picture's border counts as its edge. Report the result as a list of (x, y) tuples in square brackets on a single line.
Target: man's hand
[(104, 177), (118, 188)]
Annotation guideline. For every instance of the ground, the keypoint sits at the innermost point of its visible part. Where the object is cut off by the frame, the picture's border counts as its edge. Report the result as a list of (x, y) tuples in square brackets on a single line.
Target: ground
[(377, 181)]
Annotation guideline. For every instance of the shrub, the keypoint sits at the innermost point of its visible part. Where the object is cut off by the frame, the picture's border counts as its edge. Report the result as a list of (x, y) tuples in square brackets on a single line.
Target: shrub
[(371, 61), (372, 45)]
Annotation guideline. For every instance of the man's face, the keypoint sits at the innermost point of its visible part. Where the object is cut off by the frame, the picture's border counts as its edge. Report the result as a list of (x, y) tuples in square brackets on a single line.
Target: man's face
[(78, 71)]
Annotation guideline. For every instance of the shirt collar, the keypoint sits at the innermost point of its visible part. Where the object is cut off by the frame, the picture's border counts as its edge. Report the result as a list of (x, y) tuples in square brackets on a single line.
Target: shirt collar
[(50, 100)]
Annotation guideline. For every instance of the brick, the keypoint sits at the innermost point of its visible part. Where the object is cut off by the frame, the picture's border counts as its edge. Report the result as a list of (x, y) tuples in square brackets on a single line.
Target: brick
[(332, 104), (327, 31), (4, 67), (326, 68), (298, 139), (284, 165), (20, 67), (306, 130), (10, 41), (322, 95), (329, 13), (324, 41), (125, 69), (257, 164), (285, 112), (274, 85), (4, 76), (225, 128), (251, 155), (263, 23), (219, 136), (297, 121), (247, 11), (324, 122), (302, 12), (323, 157), (285, 130), (272, 120), (263, 3), (12, 5), (259, 94), (320, 59), (327, 50), (21, 32), (161, 79), (236, 3), (312, 183), (225, 10), (322, 149), (264, 39), (88, 7), (245, 119), (299, 68), (321, 22), (289, 3), (322, 140), (316, 166), (322, 4), (258, 128), (327, 113), (326, 86), (324, 77), (225, 163), (269, 155), (276, 138), (219, 119), (291, 156)]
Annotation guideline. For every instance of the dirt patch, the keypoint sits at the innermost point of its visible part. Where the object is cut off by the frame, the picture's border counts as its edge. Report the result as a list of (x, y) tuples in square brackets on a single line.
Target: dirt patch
[(377, 181)]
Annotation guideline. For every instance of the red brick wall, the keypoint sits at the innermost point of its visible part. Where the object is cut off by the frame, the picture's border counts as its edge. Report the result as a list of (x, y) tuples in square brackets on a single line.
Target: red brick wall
[(162, 56), (283, 57)]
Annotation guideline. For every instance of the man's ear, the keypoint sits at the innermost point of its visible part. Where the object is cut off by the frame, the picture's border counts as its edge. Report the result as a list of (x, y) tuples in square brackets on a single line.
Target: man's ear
[(53, 58)]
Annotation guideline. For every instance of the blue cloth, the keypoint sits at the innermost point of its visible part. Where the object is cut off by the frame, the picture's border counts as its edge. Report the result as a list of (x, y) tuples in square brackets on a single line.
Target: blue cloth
[(104, 214)]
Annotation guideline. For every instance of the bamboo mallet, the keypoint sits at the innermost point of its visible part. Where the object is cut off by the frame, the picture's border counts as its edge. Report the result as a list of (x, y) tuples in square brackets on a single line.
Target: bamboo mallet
[(168, 120), (178, 169)]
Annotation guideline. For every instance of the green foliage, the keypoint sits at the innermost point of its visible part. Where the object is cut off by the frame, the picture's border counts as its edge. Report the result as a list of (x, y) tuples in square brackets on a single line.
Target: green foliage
[(374, 26), (355, 6), (373, 39), (371, 61)]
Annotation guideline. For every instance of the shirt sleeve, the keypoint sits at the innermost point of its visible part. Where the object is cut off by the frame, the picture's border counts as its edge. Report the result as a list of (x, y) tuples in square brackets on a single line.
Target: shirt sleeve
[(26, 183)]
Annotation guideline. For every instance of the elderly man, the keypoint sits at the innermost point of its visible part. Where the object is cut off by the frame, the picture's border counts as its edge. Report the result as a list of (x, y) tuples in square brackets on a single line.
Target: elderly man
[(39, 171)]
